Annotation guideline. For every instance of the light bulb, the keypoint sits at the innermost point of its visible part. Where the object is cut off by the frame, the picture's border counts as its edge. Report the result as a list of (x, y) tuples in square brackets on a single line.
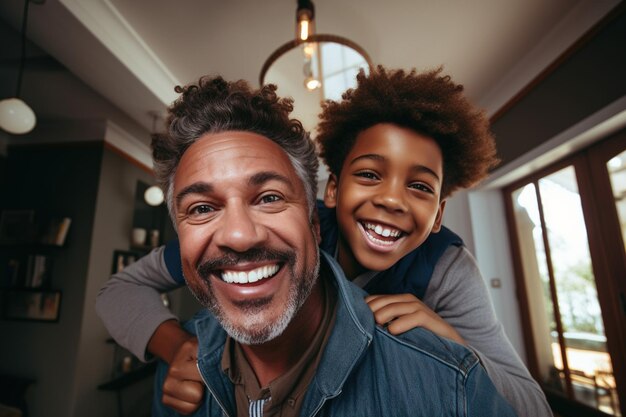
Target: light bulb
[(304, 29), (309, 50), (16, 117), (154, 196), (312, 83)]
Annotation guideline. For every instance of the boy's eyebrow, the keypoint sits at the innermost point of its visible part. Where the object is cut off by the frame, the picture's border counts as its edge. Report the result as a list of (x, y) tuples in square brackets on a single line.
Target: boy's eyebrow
[(423, 168), (376, 157)]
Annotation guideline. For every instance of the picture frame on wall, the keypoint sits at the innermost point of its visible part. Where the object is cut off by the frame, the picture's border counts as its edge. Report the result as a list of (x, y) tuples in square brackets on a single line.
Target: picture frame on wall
[(31, 305), (123, 258)]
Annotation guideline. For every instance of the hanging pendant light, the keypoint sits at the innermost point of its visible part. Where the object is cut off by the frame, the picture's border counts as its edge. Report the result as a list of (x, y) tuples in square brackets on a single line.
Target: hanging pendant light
[(153, 195), (310, 42), (16, 116)]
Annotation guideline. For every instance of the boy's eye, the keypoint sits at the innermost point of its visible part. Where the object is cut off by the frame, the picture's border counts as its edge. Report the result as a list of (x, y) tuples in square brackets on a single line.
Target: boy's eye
[(367, 175), (421, 187)]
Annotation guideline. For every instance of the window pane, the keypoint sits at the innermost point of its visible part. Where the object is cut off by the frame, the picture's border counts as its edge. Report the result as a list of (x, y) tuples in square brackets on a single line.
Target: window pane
[(533, 257)]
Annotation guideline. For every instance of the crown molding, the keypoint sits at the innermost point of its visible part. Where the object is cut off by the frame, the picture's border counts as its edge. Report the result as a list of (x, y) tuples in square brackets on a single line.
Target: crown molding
[(105, 22)]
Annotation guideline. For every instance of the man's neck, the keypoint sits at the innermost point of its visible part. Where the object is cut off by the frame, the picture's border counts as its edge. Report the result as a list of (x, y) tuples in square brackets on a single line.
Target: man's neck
[(274, 358)]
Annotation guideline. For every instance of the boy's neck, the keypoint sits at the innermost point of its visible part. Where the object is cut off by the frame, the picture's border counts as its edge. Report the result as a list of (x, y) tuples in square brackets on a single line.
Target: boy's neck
[(350, 265)]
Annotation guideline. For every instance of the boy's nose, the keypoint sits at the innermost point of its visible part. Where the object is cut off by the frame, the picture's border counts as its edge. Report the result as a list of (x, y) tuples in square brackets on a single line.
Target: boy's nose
[(238, 229), (392, 197)]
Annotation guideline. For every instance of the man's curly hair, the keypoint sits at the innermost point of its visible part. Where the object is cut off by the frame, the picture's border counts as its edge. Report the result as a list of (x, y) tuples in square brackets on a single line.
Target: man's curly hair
[(428, 103), (214, 105)]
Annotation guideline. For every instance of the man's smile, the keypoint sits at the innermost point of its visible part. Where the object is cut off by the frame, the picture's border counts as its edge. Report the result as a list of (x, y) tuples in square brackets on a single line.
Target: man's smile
[(250, 276)]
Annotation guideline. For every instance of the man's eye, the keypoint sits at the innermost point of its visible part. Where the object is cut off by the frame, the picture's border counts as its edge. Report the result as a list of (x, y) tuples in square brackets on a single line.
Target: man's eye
[(201, 209), (269, 198)]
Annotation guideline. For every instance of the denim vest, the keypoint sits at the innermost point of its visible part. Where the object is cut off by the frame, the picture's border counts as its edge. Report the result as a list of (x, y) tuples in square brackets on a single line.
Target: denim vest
[(364, 371)]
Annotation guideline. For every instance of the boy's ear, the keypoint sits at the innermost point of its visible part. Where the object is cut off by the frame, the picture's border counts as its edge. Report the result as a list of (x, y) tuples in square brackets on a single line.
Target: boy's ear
[(439, 219), (330, 193)]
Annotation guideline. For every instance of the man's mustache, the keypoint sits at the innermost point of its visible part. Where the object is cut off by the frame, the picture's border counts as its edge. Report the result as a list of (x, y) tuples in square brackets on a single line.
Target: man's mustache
[(206, 268)]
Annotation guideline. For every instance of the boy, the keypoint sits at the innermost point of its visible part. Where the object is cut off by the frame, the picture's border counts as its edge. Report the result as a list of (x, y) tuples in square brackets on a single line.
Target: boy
[(396, 146)]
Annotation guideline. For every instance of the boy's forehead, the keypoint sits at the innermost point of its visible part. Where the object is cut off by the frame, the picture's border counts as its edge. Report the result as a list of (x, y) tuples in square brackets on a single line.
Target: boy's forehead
[(381, 137)]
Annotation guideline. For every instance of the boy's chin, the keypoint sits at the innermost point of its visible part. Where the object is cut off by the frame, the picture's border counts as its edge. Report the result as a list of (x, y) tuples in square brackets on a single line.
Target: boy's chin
[(378, 263)]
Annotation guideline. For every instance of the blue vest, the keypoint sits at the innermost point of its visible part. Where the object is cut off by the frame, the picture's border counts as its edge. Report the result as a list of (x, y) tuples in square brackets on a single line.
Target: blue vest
[(410, 274)]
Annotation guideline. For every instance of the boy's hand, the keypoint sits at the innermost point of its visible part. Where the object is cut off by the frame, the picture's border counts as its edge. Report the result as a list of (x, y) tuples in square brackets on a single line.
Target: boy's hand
[(402, 312), (183, 388)]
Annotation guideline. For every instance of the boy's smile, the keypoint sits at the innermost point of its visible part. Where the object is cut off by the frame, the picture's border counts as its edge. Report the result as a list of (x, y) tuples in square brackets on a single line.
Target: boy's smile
[(387, 197)]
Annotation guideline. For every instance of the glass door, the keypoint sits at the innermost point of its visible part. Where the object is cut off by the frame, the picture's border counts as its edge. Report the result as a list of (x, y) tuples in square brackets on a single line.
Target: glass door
[(568, 269)]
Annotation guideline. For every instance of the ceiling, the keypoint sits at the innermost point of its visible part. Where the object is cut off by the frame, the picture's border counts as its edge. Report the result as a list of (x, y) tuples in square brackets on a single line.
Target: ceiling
[(133, 52)]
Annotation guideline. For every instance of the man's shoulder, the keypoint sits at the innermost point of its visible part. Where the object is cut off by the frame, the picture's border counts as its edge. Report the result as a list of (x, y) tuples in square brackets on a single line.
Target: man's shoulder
[(423, 345)]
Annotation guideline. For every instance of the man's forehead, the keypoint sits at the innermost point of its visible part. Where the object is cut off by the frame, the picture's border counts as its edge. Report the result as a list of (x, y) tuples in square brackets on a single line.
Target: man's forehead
[(218, 156), (235, 138)]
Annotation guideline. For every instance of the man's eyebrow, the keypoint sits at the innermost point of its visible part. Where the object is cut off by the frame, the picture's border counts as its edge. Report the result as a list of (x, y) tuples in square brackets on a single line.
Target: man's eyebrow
[(195, 188), (262, 177), (418, 168)]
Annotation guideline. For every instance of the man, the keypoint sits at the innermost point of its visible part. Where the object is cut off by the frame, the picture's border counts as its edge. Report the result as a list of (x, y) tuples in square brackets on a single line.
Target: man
[(284, 332)]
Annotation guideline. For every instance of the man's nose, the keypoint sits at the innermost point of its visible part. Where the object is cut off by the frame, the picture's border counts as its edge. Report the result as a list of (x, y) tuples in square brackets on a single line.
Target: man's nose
[(392, 197), (239, 230)]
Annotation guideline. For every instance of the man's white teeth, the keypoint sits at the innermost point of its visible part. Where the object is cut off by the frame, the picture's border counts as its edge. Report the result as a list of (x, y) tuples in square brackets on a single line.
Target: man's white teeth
[(243, 277), (382, 231)]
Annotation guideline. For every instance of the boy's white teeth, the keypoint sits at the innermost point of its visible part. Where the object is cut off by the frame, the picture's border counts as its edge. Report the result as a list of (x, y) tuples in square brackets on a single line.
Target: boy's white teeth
[(382, 231), (245, 277)]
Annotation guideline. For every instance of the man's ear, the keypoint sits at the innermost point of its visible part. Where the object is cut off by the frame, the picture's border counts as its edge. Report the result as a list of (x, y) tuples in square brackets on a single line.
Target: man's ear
[(330, 193), (439, 219)]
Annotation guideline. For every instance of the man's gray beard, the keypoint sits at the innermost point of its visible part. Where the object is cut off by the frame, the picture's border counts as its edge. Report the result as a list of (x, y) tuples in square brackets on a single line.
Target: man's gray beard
[(254, 332)]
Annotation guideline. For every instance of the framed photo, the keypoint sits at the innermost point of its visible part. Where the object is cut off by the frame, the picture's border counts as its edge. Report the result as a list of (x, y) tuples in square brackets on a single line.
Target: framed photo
[(31, 305), (123, 258)]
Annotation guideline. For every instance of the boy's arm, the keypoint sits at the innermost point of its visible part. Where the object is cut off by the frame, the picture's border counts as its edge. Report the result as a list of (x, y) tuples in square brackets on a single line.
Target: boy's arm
[(130, 305), (458, 294)]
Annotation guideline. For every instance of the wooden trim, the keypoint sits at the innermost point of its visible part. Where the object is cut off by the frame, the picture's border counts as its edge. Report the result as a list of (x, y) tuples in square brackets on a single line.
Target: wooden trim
[(128, 157), (607, 252), (560, 60)]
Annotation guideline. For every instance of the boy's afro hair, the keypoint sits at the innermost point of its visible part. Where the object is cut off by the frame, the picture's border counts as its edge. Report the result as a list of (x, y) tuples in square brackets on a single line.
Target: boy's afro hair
[(428, 103)]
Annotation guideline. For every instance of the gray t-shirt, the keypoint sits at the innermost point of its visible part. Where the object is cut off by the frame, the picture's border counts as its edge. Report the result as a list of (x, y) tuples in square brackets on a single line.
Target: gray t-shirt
[(131, 309)]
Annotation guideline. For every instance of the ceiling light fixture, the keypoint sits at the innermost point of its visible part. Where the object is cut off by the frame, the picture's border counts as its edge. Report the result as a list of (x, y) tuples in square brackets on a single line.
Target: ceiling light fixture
[(310, 43), (16, 116)]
